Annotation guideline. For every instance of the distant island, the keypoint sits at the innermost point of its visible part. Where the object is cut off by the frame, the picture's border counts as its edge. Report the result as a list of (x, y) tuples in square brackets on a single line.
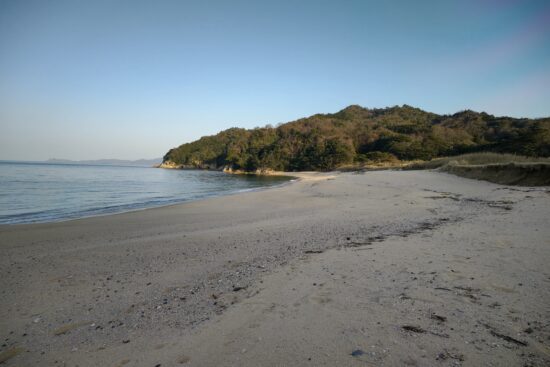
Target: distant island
[(110, 162), (357, 135)]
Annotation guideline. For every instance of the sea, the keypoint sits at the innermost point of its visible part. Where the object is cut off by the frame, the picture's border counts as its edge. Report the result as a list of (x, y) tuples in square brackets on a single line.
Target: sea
[(44, 192)]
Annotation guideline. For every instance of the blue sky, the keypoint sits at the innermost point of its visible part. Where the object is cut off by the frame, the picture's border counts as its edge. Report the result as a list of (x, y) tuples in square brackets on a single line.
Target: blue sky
[(131, 79)]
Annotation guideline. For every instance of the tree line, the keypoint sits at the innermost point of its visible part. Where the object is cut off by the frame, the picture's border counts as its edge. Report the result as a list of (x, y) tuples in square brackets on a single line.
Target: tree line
[(358, 135)]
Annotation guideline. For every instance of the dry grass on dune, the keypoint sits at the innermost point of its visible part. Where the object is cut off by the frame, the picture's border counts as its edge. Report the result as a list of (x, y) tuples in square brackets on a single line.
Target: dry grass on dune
[(507, 169), (477, 159)]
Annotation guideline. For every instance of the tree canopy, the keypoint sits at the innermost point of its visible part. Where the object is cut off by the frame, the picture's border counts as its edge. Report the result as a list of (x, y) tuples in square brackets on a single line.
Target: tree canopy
[(357, 134)]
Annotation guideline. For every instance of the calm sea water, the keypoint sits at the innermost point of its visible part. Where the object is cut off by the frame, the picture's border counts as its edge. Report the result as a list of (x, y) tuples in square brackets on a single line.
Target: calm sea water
[(38, 192)]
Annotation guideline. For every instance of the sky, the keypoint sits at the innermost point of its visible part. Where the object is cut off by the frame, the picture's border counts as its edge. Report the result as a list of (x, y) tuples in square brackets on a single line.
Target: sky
[(131, 79)]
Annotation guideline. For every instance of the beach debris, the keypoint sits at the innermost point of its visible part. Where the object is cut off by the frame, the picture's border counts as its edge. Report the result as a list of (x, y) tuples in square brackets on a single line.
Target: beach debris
[(357, 353), (126, 341), (448, 355), (508, 338), (358, 244), (438, 317), (238, 288), (313, 251), (505, 337), (529, 330), (467, 289), (414, 329), (469, 292), (442, 335)]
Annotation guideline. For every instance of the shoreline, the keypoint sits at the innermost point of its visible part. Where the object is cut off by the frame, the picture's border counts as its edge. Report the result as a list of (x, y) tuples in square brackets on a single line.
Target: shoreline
[(333, 264), (292, 178)]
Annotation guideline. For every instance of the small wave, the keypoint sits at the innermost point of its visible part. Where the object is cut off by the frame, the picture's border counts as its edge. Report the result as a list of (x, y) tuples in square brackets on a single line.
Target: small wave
[(33, 194)]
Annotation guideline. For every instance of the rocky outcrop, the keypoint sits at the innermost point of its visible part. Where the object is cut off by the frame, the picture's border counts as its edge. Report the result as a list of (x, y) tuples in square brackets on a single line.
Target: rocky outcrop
[(195, 165), (170, 165), (213, 167), (259, 171)]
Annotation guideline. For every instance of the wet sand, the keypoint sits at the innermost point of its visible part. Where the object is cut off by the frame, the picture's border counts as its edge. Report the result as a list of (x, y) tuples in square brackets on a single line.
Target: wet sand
[(373, 269)]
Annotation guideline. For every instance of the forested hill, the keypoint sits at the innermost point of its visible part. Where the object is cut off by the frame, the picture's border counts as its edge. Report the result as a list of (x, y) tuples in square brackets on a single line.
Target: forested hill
[(356, 134)]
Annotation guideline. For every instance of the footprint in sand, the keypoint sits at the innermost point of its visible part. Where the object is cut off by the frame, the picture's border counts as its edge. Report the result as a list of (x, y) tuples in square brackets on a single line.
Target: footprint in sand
[(183, 359), (322, 298), (503, 289), (123, 362)]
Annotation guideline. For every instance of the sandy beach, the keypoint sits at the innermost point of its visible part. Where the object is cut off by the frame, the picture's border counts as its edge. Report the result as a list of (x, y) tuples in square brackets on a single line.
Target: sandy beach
[(387, 268)]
